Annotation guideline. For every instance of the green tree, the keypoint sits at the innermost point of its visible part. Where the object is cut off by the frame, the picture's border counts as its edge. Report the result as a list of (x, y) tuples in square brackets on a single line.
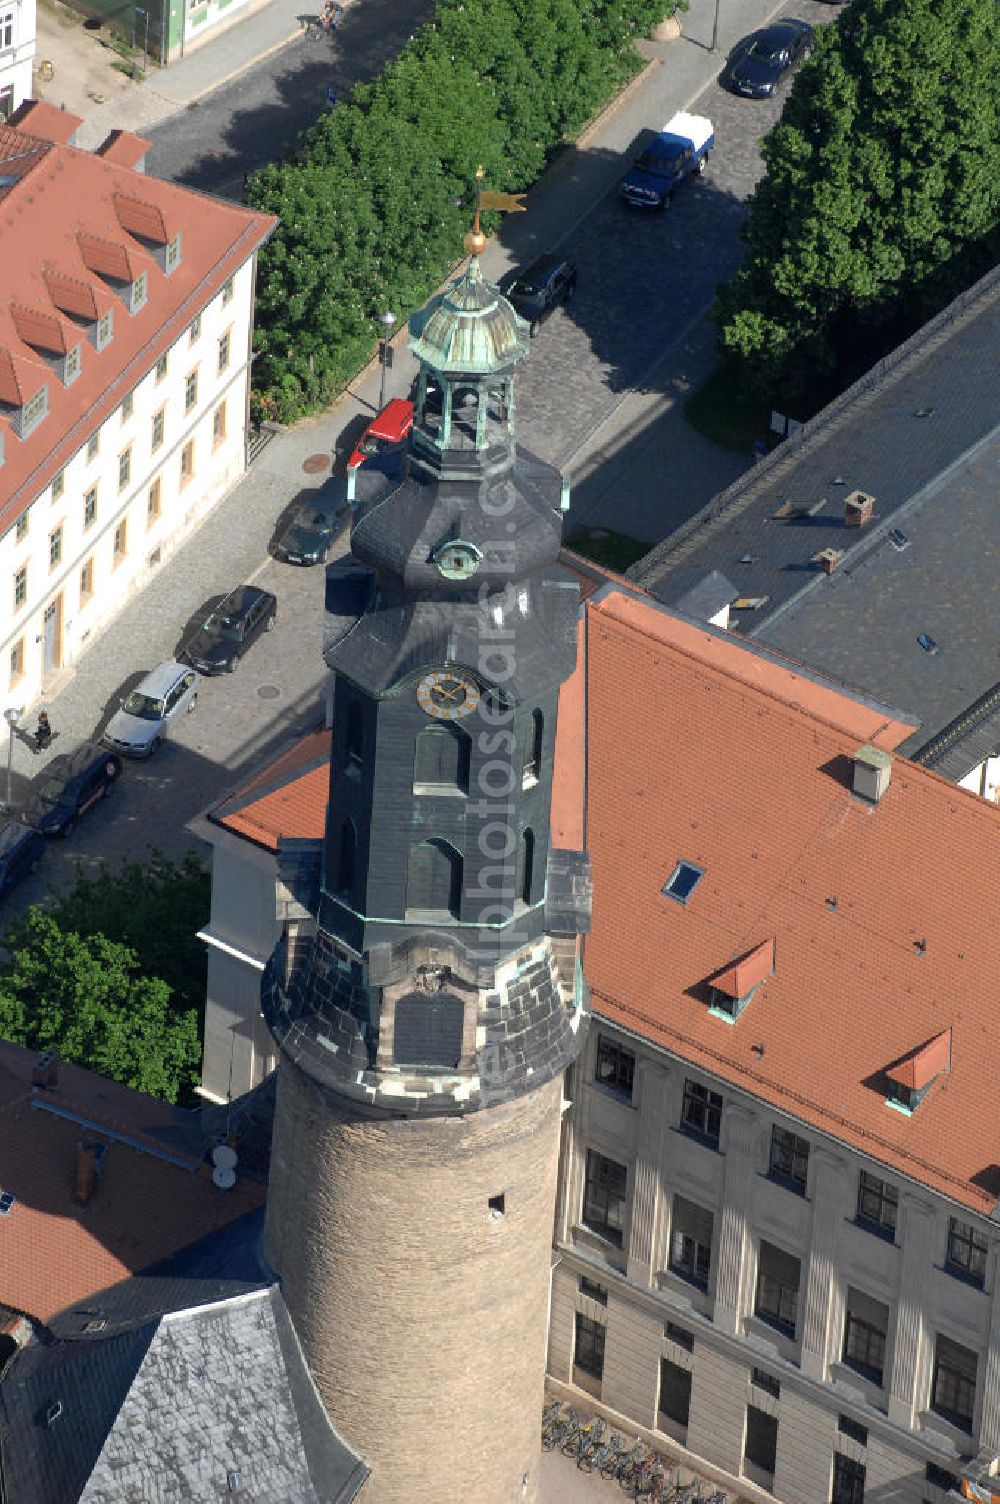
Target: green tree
[(86, 997), (881, 198)]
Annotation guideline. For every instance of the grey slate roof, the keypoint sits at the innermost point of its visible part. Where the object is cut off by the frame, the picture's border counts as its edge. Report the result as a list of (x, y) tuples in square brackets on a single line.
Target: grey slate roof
[(699, 593), (165, 1412), (921, 433)]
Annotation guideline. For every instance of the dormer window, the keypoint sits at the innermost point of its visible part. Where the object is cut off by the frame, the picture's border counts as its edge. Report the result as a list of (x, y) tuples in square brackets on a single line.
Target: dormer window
[(105, 329), (911, 1078), (172, 254), (682, 881), (734, 986), (32, 412), (71, 368), (138, 292)]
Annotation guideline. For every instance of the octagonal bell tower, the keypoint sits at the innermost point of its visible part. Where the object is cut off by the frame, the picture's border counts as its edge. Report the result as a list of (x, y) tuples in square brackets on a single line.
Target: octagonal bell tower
[(425, 1029)]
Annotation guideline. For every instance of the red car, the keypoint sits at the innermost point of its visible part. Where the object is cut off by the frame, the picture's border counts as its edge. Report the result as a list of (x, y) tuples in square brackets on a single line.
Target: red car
[(390, 427)]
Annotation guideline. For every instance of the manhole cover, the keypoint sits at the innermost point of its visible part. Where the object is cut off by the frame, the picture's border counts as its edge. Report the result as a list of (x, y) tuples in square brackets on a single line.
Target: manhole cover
[(268, 692), (316, 463)]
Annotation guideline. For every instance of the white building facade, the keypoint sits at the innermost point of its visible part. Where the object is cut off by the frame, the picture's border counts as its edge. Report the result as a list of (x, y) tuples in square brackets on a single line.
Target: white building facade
[(17, 51)]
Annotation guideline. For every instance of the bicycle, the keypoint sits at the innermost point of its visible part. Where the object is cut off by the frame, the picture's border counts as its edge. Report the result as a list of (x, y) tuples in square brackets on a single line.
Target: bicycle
[(630, 1463), (587, 1441), (617, 1448), (556, 1420)]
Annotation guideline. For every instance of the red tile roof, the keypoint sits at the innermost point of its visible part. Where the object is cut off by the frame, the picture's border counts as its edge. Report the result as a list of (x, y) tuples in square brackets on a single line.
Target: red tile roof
[(149, 1202), (287, 798), (71, 222), (704, 751)]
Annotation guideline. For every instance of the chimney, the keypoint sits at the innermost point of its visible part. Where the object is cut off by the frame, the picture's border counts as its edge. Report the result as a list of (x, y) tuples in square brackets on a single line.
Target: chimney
[(45, 1071), (858, 508), (827, 559), (87, 1166), (872, 771)]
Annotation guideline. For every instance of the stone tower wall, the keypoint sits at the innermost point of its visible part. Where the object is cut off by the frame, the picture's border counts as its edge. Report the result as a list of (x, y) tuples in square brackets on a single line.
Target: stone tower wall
[(421, 1315)]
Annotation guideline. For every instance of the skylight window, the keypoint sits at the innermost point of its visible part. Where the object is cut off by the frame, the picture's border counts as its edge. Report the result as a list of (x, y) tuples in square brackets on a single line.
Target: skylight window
[(7, 1199), (683, 881)]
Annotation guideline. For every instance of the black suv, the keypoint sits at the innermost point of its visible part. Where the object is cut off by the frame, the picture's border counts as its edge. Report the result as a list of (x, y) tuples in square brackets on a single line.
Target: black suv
[(222, 639), (71, 783), (541, 287), (21, 850)]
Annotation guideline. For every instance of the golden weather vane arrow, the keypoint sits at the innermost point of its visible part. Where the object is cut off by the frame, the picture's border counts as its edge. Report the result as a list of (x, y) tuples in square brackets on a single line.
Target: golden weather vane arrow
[(487, 198)]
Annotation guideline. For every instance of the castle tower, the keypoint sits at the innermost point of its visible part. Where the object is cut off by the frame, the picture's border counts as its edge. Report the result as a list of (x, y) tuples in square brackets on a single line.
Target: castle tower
[(425, 1030)]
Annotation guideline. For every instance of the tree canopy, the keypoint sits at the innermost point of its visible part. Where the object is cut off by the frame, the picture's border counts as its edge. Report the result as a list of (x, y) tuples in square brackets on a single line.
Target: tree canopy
[(881, 199), (373, 208)]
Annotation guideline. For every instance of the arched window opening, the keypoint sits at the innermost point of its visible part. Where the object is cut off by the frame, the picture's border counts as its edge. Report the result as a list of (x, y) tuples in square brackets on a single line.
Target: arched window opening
[(465, 418), (525, 868), (441, 761), (355, 733), (346, 858), (497, 399), (532, 769), (434, 880)]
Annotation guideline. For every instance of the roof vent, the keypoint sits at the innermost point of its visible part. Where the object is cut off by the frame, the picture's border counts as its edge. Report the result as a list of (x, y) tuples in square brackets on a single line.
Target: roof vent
[(45, 1071), (224, 1161), (872, 771), (912, 1076), (735, 985), (858, 508), (89, 1159)]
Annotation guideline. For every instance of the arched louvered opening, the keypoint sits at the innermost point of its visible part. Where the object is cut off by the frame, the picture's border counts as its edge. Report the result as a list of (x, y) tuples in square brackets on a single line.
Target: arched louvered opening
[(525, 867), (532, 767), (434, 880), (347, 858), (441, 761)]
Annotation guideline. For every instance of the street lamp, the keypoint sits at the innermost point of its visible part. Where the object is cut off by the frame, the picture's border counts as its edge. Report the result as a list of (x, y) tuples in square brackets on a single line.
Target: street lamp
[(11, 715), (145, 35), (387, 320), (715, 28)]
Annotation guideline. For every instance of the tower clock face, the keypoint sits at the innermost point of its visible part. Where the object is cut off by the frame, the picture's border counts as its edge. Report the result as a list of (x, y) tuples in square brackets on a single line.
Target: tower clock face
[(447, 695)]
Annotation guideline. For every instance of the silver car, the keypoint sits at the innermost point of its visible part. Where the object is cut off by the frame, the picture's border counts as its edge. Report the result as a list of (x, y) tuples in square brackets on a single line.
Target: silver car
[(168, 691)]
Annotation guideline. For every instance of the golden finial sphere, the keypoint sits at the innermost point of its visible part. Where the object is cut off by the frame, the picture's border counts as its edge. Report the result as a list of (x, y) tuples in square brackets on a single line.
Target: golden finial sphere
[(475, 242)]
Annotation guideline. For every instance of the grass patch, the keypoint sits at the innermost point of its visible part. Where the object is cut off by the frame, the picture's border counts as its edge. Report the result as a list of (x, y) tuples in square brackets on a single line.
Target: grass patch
[(722, 412), (603, 546)]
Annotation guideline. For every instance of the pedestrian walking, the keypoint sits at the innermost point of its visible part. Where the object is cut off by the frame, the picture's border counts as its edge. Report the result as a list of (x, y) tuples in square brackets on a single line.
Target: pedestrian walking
[(43, 731)]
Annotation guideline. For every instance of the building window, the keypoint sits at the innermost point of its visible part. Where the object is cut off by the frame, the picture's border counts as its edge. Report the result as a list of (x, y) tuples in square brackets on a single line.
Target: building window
[(765, 1381), (588, 1350), (427, 1031), (604, 1197), (105, 329), (434, 879), (938, 1477), (441, 761), (20, 587), (615, 1067), (71, 369), (34, 411), (16, 661), (675, 1392), (866, 1324), (86, 582), (161, 369), (691, 1242), (789, 1158), (127, 407), (90, 507), (848, 1480), (153, 503), (778, 1276), (93, 445), (878, 1202), (58, 487), (21, 530), (680, 1335), (120, 541), (124, 468), (532, 763), (191, 390), (187, 462), (760, 1447), (953, 1393), (355, 733), (525, 868), (6, 29), (967, 1250), (172, 254), (227, 292), (224, 343), (702, 1112), (55, 547), (159, 420), (219, 425), (139, 291), (194, 333), (593, 1290), (682, 881), (854, 1429), (345, 864)]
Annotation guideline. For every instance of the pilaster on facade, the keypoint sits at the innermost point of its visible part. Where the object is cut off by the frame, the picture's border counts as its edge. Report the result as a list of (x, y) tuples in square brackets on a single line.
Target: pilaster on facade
[(989, 1413), (818, 1332), (734, 1221), (651, 1154), (910, 1355)]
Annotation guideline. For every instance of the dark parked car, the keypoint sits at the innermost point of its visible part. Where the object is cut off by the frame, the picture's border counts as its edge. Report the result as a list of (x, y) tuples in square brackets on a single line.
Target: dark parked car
[(756, 64), (313, 524), (21, 849), (224, 636), (541, 287), (71, 783)]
